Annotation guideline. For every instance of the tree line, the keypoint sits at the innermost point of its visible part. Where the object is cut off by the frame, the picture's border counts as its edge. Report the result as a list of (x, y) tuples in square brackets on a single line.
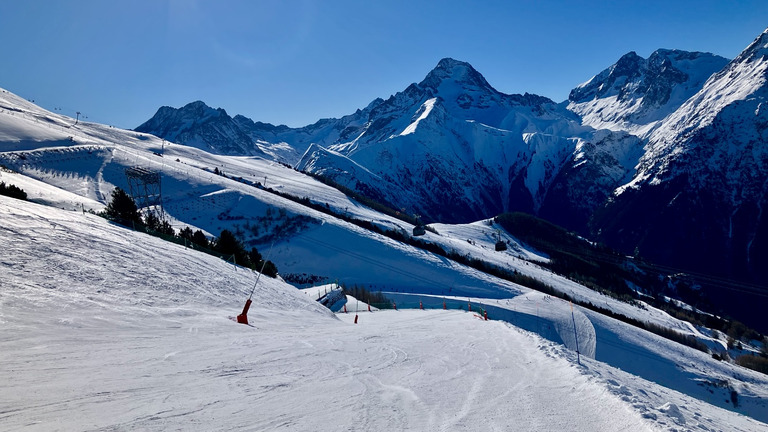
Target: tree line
[(12, 191), (122, 209)]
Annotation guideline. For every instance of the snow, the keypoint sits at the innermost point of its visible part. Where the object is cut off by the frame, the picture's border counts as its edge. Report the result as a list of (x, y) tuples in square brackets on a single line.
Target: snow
[(622, 108), (112, 329), (730, 95), (424, 111), (148, 321)]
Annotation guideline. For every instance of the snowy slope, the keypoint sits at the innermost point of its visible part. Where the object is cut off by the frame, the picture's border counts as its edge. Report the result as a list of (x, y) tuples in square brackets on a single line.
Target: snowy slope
[(105, 328), (305, 241)]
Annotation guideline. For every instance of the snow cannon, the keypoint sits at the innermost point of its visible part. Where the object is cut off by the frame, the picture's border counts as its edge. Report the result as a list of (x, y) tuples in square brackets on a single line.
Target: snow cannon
[(243, 317)]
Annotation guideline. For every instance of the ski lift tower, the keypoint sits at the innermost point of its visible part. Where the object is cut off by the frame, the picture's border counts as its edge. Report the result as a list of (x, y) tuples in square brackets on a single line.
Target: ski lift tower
[(144, 185)]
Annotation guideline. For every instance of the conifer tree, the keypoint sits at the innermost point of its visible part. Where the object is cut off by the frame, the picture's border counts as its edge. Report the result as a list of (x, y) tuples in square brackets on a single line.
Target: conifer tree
[(122, 208), (186, 233), (166, 228), (228, 244), (151, 221), (200, 239), (12, 191)]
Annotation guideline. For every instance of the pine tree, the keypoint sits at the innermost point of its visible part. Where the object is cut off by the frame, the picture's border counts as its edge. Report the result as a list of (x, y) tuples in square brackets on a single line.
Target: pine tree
[(151, 221), (186, 233), (270, 269), (228, 244), (255, 257), (122, 208), (166, 228), (12, 191), (200, 239)]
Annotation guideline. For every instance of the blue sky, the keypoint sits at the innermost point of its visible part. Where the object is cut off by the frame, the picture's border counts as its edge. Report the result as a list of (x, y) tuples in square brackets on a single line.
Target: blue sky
[(296, 61)]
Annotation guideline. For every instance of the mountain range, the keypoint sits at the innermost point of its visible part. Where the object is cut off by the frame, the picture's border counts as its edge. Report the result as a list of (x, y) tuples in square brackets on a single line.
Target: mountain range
[(663, 157), (574, 311)]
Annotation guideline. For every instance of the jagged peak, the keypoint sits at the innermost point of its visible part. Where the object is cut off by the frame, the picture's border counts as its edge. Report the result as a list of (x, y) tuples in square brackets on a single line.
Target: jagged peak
[(628, 65), (449, 69), (201, 107), (196, 105), (758, 48), (671, 65)]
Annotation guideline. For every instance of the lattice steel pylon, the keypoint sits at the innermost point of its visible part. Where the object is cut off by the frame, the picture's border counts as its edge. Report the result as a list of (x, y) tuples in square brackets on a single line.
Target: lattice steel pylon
[(145, 190)]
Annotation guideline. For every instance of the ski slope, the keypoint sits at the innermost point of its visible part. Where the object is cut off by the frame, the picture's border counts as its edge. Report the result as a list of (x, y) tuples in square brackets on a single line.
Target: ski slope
[(108, 329)]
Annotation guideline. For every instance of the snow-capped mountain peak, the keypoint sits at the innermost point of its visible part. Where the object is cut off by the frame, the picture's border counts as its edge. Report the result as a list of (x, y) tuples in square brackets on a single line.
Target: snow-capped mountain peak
[(758, 48), (450, 72), (705, 164), (196, 124), (635, 93)]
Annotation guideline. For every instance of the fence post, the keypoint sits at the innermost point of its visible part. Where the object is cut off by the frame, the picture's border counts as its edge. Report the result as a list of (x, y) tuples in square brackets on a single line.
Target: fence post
[(575, 335)]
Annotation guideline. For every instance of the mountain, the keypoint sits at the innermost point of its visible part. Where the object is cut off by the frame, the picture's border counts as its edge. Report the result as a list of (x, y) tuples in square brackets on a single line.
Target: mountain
[(163, 308), (454, 149), (702, 182), (640, 156), (635, 94), (198, 125)]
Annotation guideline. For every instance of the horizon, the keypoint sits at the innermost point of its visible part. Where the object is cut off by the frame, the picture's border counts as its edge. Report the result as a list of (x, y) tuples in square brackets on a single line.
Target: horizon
[(295, 63)]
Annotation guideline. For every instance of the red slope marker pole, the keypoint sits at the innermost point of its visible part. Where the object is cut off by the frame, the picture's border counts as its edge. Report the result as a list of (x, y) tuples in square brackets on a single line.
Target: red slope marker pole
[(243, 317)]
